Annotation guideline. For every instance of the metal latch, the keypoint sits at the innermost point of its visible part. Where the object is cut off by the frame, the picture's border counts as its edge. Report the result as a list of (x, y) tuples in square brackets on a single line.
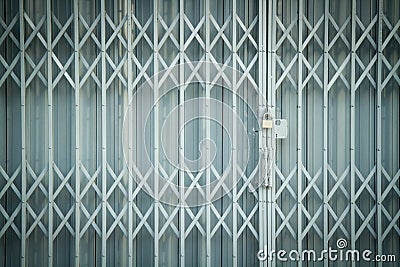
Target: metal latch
[(280, 128)]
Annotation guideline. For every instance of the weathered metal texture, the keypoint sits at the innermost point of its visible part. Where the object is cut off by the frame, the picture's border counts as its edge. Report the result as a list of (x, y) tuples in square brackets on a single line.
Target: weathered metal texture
[(68, 69), (333, 67)]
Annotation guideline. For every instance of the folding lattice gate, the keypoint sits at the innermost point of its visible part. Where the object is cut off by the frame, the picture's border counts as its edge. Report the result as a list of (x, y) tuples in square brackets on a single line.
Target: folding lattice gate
[(68, 68), (334, 72)]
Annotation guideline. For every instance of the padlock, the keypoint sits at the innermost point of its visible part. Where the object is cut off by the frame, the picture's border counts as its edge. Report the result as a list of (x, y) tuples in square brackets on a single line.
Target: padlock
[(267, 122)]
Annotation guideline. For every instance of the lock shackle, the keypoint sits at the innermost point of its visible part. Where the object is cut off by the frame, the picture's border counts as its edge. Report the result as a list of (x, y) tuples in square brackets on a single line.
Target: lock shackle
[(267, 116)]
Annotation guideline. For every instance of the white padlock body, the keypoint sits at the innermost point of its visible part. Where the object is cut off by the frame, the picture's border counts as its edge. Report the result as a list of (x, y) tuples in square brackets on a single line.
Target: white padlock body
[(267, 124)]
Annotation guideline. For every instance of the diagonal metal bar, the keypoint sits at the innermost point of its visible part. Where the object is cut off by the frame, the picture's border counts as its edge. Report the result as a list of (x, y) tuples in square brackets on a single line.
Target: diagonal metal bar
[(7, 30), (35, 32), (10, 182), (312, 222), (247, 223), (37, 182), (91, 220), (62, 31), (10, 70), (311, 183), (36, 69), (194, 32), (247, 32), (338, 222), (90, 70), (116, 70), (286, 33), (338, 182), (366, 32), (221, 220), (365, 183), (313, 33), (143, 221), (168, 223), (246, 71), (285, 221), (389, 25), (393, 32), (285, 182), (286, 72), (116, 182), (116, 31), (89, 31), (339, 72), (393, 183), (91, 179), (37, 220), (221, 32), (63, 71), (142, 71), (366, 222), (339, 32), (64, 221), (168, 31), (313, 72), (391, 74), (117, 220), (10, 221), (142, 32), (195, 222), (366, 72)]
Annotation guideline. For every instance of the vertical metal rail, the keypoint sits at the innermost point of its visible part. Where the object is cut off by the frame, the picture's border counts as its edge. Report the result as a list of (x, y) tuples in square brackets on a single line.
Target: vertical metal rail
[(208, 191), (325, 120), (245, 58), (77, 137), (50, 128), (181, 119), (234, 155), (300, 131), (103, 136), (352, 128), (155, 87), (379, 130), (23, 152), (130, 141), (263, 77), (271, 104)]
